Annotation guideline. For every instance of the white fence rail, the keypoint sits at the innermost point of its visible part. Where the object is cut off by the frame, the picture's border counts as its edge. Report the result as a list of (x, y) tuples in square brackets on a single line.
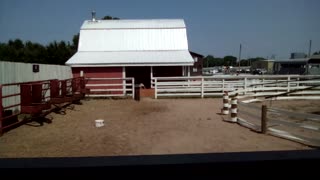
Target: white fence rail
[(110, 87), (204, 86)]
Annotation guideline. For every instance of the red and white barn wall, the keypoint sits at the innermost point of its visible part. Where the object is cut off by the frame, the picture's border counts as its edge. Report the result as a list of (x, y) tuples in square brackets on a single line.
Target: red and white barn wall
[(124, 72), (100, 72)]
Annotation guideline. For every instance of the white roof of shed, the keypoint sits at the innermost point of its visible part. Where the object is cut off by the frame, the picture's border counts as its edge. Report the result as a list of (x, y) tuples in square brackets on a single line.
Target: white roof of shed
[(131, 58), (133, 24), (132, 42)]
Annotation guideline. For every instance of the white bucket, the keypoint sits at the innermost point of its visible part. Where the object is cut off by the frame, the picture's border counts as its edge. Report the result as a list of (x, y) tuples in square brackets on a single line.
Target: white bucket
[(99, 122)]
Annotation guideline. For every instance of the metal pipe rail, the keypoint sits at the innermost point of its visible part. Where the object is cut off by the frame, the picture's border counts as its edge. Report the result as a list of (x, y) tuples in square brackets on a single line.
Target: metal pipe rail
[(31, 98)]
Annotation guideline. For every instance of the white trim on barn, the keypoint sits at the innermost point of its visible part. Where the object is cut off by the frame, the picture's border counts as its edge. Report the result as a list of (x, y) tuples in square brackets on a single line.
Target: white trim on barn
[(132, 58)]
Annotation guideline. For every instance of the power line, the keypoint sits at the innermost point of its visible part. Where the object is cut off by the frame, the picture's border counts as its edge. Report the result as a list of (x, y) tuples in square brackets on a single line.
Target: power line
[(239, 56)]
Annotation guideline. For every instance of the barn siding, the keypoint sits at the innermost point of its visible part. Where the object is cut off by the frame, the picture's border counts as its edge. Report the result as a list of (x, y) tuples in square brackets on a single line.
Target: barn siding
[(100, 72)]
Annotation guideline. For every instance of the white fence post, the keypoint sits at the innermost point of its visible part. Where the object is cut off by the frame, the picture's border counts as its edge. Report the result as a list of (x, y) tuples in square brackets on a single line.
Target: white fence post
[(133, 88), (202, 87), (288, 84), (155, 88), (222, 85), (245, 86)]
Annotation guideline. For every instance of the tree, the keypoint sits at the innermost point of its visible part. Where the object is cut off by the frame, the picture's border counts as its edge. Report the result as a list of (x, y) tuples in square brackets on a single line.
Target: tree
[(208, 61), (75, 42), (244, 62), (34, 53), (17, 44), (316, 53), (229, 61), (58, 52)]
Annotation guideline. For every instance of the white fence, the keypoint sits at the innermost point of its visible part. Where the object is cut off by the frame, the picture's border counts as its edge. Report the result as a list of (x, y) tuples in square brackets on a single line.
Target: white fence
[(295, 126), (110, 87), (204, 86)]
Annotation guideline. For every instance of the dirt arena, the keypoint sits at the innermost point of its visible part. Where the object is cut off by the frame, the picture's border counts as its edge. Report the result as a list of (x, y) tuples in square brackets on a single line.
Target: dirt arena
[(164, 126)]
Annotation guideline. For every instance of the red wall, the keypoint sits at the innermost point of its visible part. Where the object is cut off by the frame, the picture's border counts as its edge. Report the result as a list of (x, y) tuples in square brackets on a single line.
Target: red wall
[(100, 72)]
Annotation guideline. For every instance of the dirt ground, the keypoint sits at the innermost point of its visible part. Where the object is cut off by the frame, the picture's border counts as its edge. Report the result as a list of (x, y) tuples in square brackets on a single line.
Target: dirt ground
[(164, 126)]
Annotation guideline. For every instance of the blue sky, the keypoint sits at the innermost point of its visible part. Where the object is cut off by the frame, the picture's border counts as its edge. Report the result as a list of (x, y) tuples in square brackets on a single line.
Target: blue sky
[(216, 27)]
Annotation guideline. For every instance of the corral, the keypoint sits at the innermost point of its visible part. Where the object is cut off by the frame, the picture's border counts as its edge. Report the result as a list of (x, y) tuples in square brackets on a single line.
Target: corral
[(163, 126)]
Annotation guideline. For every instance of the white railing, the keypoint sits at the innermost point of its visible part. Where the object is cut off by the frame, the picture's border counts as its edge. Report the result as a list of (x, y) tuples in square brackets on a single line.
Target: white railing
[(204, 86), (110, 87)]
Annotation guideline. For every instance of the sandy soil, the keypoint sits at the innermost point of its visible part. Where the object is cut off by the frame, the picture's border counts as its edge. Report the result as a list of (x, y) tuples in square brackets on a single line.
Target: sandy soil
[(165, 126)]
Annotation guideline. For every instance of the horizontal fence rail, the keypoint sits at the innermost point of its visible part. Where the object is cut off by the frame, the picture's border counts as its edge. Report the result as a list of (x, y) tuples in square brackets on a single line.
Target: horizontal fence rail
[(300, 127), (246, 86), (110, 87), (295, 126)]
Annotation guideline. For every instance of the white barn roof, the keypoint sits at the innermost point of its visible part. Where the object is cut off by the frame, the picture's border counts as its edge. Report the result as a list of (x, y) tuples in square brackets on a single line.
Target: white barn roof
[(133, 24), (132, 42)]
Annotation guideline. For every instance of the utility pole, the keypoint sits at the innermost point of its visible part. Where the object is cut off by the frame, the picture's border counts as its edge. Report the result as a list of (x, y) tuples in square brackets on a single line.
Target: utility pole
[(310, 43), (239, 56)]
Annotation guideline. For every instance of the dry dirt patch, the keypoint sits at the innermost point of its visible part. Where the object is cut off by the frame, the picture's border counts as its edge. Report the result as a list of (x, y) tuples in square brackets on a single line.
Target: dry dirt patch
[(164, 126)]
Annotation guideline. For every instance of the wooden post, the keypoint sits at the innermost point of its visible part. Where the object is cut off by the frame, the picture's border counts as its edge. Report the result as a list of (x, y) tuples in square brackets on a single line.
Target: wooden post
[(74, 85), (188, 76), (82, 87), (264, 119), (155, 88), (124, 81), (1, 111), (133, 86), (151, 77), (54, 88), (63, 88), (36, 93), (25, 95)]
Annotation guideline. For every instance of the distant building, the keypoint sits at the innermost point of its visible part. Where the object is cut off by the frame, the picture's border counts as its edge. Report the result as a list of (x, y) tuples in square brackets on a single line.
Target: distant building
[(310, 66), (314, 65), (266, 65), (198, 64), (298, 55)]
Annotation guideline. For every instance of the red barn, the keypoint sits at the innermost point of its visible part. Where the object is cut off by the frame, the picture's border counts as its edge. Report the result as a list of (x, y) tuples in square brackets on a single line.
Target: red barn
[(132, 48)]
